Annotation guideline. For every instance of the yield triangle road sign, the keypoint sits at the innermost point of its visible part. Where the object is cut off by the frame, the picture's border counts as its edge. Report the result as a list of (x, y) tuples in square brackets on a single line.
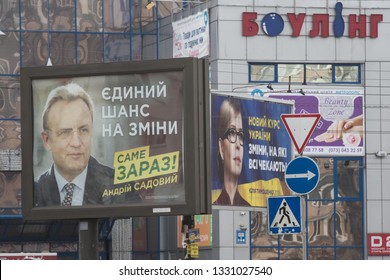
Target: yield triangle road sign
[(300, 127)]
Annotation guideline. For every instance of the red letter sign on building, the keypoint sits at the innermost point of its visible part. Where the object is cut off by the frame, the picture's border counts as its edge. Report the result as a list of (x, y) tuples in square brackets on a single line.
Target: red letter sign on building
[(378, 244)]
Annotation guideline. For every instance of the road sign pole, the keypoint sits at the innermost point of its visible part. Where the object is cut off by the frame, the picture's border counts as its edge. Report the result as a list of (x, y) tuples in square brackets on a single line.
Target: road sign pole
[(304, 227)]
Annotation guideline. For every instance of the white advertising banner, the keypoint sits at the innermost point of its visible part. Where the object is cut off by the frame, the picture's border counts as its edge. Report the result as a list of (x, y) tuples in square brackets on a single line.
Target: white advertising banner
[(191, 36)]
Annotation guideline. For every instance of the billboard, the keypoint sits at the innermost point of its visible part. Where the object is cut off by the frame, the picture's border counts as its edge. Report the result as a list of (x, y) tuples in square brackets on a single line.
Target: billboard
[(250, 149), (191, 36), (340, 131), (115, 139)]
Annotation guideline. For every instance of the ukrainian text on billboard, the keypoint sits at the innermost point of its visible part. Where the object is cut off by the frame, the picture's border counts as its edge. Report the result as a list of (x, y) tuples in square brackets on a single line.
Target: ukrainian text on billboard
[(136, 134), (256, 162)]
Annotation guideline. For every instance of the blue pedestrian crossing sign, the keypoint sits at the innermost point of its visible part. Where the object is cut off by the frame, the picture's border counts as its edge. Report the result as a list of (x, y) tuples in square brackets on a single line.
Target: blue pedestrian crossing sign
[(284, 214), (302, 175)]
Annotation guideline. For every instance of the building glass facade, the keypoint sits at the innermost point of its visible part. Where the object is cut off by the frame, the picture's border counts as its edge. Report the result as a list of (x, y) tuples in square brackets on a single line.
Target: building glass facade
[(352, 199)]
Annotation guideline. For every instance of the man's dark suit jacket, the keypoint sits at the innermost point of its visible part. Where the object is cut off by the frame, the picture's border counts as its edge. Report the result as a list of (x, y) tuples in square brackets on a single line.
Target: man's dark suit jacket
[(99, 178)]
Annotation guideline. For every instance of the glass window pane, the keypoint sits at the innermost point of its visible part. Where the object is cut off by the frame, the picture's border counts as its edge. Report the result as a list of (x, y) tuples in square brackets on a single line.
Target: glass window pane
[(35, 15), (34, 45), (259, 230), (10, 135), (347, 74), (116, 48), (295, 71), (9, 53), (90, 48), (319, 73), (290, 240), (116, 16), (291, 253), (268, 244), (9, 97), (62, 48), (349, 223), (325, 187), (320, 253), (349, 254), (10, 193), (149, 51), (144, 20), (62, 15), (89, 15), (320, 223), (9, 15), (348, 172), (262, 73), (264, 254), (136, 47)]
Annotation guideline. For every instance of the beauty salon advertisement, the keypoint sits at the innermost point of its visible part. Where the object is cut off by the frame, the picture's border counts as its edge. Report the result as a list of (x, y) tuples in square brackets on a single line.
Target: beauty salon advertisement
[(340, 131)]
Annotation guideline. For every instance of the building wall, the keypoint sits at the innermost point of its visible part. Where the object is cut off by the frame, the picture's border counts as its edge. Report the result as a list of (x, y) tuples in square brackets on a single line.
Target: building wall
[(39, 33), (229, 54), (231, 51)]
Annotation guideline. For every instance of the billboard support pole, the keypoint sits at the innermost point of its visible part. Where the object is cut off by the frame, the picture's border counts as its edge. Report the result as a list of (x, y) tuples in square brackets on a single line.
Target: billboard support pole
[(89, 239)]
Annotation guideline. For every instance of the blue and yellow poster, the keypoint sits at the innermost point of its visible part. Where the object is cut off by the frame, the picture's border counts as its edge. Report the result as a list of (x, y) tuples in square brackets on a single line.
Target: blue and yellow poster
[(250, 150)]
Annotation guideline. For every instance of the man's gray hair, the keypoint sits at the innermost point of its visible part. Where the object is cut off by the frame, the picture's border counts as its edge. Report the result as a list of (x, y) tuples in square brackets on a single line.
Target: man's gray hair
[(68, 92)]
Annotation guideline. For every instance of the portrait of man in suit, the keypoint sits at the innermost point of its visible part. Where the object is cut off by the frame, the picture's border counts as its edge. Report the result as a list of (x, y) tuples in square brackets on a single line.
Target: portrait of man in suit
[(75, 178)]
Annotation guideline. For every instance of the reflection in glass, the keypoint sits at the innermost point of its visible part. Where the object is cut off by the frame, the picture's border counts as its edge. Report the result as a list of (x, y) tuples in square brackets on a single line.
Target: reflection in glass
[(89, 15), (136, 47), (9, 14), (347, 73), (265, 254), (319, 73), (291, 253), (62, 48), (116, 48), (89, 48), (34, 45), (259, 230), (10, 135), (320, 223), (322, 253), (34, 15), (348, 178), (9, 97), (9, 54), (325, 187), (143, 19), (10, 193), (116, 16), (349, 253), (349, 227), (295, 71), (149, 52), (263, 73), (62, 15)]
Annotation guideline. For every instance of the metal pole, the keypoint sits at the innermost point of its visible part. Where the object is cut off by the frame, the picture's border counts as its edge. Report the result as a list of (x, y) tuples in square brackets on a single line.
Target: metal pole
[(89, 239), (304, 228)]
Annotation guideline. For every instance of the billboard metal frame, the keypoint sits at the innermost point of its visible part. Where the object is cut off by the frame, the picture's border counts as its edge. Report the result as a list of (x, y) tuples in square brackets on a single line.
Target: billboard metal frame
[(195, 136)]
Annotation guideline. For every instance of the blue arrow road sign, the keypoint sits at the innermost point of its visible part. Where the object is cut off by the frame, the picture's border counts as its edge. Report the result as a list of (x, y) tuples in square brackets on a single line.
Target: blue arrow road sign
[(302, 175), (284, 214)]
